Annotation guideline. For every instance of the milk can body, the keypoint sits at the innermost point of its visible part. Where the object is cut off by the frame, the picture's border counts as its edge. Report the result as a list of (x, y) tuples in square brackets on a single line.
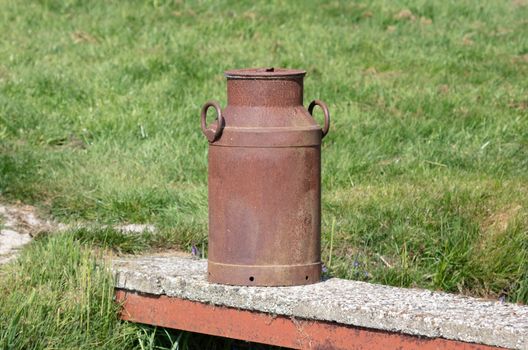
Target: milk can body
[(264, 181)]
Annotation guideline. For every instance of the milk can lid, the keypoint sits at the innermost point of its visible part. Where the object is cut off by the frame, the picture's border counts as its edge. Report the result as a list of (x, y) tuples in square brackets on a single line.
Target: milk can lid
[(263, 73)]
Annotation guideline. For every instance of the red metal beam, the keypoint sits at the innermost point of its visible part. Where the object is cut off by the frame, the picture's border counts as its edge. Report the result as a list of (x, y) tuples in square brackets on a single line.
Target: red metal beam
[(264, 328)]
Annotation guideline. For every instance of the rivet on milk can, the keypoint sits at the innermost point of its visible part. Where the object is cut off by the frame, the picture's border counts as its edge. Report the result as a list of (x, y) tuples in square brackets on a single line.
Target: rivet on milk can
[(264, 181)]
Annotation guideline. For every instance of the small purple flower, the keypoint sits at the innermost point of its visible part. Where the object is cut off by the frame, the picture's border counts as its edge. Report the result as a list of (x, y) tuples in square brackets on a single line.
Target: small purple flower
[(502, 298), (356, 264), (194, 251), (324, 269), (367, 275)]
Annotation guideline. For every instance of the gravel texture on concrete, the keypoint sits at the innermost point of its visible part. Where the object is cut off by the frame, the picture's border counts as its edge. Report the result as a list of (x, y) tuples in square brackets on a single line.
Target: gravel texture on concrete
[(409, 311)]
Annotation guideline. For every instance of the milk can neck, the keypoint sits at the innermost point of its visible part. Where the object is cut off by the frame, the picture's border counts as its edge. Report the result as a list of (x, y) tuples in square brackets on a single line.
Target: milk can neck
[(284, 92), (270, 87)]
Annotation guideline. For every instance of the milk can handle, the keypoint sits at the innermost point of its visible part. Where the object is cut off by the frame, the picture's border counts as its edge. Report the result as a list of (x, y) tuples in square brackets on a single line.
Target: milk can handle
[(214, 132), (321, 104)]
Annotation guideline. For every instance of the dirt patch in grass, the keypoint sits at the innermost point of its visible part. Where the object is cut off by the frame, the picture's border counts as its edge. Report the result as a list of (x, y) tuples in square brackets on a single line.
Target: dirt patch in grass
[(499, 221)]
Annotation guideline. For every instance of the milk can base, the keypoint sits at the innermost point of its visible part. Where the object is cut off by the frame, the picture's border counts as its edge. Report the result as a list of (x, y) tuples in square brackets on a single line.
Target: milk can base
[(263, 275)]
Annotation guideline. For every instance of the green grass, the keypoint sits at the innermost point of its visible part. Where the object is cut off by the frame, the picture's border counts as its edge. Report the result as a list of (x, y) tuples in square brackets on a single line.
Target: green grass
[(59, 295), (425, 168)]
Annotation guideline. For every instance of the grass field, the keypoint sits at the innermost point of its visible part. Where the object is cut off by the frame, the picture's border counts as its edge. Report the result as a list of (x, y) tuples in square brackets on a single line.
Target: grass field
[(425, 169)]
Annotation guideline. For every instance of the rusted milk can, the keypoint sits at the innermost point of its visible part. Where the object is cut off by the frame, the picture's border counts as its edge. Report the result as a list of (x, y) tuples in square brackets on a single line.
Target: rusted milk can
[(264, 181)]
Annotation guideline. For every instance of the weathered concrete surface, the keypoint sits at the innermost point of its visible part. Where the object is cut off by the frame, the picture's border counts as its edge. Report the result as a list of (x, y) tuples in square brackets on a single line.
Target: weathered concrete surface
[(135, 228), (409, 311), (10, 242), (18, 224)]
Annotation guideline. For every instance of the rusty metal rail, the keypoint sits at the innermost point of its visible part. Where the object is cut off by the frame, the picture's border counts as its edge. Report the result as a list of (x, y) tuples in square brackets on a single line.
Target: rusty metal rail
[(172, 291), (269, 329)]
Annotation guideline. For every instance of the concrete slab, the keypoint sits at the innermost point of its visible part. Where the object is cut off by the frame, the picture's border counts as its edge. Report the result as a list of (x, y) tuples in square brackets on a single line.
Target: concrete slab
[(408, 311)]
